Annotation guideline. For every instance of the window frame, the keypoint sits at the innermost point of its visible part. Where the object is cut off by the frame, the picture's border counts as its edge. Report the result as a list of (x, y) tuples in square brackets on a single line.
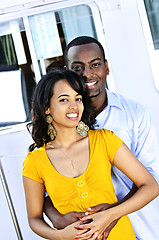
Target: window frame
[(153, 54)]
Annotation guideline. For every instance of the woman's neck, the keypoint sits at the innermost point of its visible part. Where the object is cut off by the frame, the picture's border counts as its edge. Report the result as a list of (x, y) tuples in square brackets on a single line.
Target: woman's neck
[(66, 137)]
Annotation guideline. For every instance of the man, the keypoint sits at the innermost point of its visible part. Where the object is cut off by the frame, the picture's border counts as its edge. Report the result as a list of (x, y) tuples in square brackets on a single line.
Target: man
[(128, 119)]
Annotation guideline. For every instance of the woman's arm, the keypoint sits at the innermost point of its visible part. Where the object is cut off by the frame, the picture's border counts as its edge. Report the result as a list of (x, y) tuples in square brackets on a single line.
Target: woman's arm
[(34, 193), (148, 189)]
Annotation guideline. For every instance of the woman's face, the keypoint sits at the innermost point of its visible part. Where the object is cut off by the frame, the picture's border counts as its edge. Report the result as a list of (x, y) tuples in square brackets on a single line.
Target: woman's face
[(66, 106)]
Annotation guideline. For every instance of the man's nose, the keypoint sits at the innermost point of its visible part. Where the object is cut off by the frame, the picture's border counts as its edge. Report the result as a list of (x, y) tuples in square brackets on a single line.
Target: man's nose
[(87, 72)]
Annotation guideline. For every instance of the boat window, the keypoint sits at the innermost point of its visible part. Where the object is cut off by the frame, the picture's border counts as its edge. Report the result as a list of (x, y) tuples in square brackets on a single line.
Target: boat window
[(149, 10), (29, 47), (152, 9), (16, 75), (52, 31)]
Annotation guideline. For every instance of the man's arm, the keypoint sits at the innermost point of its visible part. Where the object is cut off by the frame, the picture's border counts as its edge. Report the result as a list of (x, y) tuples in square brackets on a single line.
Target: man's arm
[(147, 145), (59, 220)]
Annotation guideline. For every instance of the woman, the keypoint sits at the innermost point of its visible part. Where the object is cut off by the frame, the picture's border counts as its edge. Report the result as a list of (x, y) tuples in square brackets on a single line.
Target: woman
[(75, 168)]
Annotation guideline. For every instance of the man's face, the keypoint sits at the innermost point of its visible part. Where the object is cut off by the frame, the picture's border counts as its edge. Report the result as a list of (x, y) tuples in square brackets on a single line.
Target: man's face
[(87, 60)]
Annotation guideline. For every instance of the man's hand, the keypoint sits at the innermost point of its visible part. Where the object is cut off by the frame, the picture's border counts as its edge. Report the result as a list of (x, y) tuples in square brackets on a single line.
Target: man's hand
[(102, 207), (59, 220), (65, 220)]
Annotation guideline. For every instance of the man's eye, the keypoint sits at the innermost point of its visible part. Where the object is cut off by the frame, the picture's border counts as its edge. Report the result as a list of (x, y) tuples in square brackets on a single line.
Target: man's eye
[(77, 68), (94, 65)]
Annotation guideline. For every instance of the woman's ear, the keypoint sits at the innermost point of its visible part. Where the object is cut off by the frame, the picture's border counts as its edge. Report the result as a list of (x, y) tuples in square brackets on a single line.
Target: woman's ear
[(47, 111)]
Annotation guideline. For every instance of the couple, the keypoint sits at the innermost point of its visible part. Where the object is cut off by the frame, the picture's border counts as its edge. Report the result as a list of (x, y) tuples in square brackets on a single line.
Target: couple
[(87, 58)]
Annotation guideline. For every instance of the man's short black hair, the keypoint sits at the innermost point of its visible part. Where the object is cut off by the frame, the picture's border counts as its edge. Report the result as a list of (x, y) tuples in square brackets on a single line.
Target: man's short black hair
[(80, 41)]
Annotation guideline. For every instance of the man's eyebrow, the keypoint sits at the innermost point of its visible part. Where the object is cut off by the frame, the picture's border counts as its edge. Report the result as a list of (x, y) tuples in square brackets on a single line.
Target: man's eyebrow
[(95, 59), (80, 62), (77, 62)]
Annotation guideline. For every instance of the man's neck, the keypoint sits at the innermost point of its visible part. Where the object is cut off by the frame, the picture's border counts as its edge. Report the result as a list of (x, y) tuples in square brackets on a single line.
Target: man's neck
[(99, 103)]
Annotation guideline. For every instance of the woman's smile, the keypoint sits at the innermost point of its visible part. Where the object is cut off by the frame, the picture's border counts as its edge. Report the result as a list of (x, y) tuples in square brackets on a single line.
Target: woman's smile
[(72, 116)]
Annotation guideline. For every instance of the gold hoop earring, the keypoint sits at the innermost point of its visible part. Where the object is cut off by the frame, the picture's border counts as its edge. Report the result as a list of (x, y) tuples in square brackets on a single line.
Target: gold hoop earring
[(51, 130), (82, 129)]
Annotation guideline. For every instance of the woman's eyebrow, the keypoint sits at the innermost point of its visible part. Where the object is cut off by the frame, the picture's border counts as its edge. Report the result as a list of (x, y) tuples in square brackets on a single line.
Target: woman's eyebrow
[(66, 95), (63, 95)]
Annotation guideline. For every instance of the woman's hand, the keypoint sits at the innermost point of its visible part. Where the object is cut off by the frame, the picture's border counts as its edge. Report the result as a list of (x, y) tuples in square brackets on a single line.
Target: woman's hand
[(98, 223), (70, 232), (102, 207)]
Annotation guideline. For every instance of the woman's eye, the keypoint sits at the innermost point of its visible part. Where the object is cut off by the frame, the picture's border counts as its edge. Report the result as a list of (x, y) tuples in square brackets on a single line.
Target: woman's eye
[(63, 100), (79, 99)]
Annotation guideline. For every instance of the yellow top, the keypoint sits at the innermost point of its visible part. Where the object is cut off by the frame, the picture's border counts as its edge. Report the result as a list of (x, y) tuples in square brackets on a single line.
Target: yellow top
[(93, 187)]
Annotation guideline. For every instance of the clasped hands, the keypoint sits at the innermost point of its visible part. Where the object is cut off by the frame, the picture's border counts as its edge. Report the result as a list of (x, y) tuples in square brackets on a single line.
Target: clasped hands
[(88, 222)]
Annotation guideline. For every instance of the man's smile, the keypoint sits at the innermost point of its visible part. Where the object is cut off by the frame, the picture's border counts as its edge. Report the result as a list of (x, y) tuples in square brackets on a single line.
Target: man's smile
[(90, 84)]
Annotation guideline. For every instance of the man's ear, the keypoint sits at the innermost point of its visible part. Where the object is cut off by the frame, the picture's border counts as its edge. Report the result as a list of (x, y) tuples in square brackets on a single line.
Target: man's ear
[(107, 67)]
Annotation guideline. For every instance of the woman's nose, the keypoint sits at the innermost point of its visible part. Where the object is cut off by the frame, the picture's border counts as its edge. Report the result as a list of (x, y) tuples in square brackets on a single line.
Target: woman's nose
[(73, 104)]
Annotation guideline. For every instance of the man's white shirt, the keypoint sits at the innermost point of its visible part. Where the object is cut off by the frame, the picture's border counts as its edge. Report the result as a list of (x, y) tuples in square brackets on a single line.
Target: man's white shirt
[(132, 123)]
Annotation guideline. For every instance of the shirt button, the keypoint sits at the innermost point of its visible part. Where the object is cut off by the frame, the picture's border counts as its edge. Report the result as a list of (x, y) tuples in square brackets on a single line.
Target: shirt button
[(80, 183), (84, 195)]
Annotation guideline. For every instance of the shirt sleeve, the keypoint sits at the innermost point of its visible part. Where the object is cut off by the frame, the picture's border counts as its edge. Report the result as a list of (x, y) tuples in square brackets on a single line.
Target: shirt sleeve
[(113, 143), (146, 145), (30, 168)]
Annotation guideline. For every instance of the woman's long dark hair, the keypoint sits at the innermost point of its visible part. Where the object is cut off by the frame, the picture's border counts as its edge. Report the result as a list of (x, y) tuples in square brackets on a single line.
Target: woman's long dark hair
[(41, 102)]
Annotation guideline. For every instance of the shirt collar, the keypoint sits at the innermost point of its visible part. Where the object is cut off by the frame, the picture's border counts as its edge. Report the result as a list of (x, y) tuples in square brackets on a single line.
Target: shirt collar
[(113, 100)]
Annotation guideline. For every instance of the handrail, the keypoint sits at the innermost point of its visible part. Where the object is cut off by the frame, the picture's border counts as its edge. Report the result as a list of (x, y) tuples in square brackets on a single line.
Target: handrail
[(10, 203)]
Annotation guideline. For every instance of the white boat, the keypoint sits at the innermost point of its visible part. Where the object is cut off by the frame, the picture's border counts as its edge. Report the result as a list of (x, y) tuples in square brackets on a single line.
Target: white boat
[(33, 35)]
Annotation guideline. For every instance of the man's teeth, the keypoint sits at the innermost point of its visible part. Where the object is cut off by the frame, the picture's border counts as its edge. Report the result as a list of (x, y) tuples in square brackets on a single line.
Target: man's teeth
[(89, 84), (72, 115)]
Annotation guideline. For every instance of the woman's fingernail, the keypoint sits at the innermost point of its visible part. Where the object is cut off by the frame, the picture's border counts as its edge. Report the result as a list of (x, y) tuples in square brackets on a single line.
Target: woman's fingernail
[(76, 237), (81, 218), (89, 208), (86, 213), (75, 227)]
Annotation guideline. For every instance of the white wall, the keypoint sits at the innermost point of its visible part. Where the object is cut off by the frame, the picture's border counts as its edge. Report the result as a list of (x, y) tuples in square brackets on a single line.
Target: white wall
[(13, 149), (128, 56), (11, 3)]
